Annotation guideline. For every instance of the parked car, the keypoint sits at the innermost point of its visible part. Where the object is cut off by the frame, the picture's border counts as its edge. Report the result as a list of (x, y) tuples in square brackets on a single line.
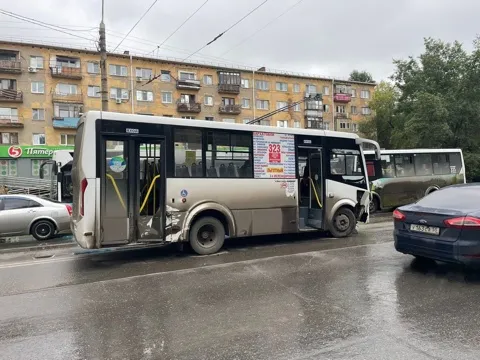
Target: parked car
[(28, 214), (444, 225)]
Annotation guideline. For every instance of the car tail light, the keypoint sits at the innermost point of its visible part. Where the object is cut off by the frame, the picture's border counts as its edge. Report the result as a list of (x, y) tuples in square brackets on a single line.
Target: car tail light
[(69, 209), (83, 187), (398, 215), (464, 222)]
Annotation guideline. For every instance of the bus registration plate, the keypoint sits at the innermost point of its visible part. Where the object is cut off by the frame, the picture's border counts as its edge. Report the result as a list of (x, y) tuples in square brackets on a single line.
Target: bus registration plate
[(432, 230)]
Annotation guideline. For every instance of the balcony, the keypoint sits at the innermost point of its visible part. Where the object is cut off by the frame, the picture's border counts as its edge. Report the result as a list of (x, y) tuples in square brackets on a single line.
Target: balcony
[(314, 124), (313, 113), (229, 88), (10, 66), (66, 123), (188, 84), (230, 109), (341, 115), (12, 96), (342, 98), (11, 121), (66, 72), (67, 98), (190, 107)]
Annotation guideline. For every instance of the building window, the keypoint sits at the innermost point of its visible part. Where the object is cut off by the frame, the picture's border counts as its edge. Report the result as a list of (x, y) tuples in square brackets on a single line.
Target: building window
[(9, 114), (36, 62), (207, 79), (38, 114), (93, 67), (326, 90), (66, 110), (67, 139), (165, 76), (188, 152), (8, 167), (228, 101), (118, 70), (209, 118), (326, 126), (38, 139), (311, 89), (117, 93), (355, 127), (282, 123), (93, 91), (188, 117), (262, 104), (262, 85), (282, 86), (8, 138), (66, 89), (245, 103), (167, 97), (296, 124), (143, 74), (353, 110), (365, 94), (186, 75), (282, 104), (208, 100), (366, 111), (296, 88), (353, 93), (341, 109), (264, 122), (326, 108), (344, 125), (245, 83), (8, 84), (38, 87), (144, 95), (296, 107)]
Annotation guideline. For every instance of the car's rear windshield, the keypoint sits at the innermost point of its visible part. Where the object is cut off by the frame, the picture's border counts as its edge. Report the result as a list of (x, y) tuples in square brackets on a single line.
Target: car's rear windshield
[(458, 198)]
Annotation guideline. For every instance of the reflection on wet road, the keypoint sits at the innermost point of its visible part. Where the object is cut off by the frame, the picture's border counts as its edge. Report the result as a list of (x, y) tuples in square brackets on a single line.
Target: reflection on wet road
[(311, 299)]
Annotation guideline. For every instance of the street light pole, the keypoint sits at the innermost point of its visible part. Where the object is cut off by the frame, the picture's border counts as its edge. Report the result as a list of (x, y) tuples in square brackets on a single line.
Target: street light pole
[(103, 62)]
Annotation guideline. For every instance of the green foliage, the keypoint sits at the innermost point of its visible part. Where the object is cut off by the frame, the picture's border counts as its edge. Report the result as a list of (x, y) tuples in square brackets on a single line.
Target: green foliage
[(362, 76), (434, 102)]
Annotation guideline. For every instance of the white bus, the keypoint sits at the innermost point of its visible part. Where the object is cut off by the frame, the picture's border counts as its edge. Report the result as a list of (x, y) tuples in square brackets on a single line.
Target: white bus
[(178, 180), (403, 176)]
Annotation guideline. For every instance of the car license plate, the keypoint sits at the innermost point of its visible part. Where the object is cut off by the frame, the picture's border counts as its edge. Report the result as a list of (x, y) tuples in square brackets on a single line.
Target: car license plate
[(425, 229)]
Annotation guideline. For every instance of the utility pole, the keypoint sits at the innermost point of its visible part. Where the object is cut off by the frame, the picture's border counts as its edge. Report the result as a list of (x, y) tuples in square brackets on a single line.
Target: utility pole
[(103, 62)]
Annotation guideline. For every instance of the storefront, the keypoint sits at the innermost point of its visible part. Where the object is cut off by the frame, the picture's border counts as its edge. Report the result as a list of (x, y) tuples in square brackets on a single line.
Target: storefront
[(25, 161)]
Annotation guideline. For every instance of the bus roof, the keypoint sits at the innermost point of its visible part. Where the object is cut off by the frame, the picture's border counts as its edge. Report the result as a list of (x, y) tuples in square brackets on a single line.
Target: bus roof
[(412, 151), (94, 115)]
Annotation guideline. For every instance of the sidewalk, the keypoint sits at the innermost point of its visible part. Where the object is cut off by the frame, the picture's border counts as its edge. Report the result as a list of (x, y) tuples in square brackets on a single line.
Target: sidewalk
[(28, 243)]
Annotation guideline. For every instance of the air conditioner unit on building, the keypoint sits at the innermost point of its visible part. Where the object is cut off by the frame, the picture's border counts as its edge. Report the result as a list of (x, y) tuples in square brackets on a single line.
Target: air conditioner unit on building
[(32, 69), (118, 101)]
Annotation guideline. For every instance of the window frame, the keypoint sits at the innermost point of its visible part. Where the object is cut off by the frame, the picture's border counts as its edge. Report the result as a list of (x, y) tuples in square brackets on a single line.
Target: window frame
[(121, 67), (37, 83), (163, 92), (38, 110), (38, 134), (95, 95)]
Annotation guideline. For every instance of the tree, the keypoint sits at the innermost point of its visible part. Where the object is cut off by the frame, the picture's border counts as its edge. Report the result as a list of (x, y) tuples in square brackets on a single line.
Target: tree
[(439, 102), (362, 76), (381, 125)]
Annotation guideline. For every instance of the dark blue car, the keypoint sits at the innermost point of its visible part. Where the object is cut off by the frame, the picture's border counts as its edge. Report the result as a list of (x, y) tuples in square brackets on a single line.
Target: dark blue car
[(444, 226)]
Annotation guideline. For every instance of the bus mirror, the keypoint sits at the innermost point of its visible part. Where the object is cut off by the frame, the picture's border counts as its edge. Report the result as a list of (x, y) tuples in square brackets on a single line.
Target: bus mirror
[(41, 171), (54, 168)]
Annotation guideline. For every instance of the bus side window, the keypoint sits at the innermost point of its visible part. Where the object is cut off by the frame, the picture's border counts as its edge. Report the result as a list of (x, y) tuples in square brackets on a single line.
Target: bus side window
[(404, 165), (455, 163), (423, 164), (388, 169), (188, 150), (441, 164)]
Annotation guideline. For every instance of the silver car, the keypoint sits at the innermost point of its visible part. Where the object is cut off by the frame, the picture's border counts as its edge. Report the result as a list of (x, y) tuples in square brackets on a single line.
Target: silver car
[(28, 214)]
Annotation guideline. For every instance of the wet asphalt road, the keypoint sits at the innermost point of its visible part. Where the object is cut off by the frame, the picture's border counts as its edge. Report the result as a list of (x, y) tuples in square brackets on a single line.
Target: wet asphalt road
[(280, 298)]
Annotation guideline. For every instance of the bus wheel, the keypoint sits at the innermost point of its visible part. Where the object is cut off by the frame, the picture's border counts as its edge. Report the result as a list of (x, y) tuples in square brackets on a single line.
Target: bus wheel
[(343, 223), (43, 230), (207, 235), (374, 205)]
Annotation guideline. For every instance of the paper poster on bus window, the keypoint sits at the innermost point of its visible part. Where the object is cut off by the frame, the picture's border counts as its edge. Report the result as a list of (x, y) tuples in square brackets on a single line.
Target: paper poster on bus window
[(274, 155)]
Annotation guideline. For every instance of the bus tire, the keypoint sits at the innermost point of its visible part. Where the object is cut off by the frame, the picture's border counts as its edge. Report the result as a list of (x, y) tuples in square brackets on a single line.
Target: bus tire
[(343, 223), (207, 235), (374, 205), (43, 230)]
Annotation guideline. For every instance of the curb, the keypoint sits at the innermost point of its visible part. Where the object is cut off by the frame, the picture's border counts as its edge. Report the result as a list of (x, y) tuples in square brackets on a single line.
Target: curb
[(38, 247)]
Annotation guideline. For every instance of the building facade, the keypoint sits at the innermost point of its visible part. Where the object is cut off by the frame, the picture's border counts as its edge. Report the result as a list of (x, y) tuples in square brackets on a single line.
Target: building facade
[(44, 89)]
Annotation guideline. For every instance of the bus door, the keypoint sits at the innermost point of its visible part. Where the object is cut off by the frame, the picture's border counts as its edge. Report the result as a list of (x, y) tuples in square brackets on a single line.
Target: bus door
[(132, 190), (311, 187)]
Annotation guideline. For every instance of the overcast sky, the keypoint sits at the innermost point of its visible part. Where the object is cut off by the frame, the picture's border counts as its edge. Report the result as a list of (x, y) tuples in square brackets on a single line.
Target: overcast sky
[(319, 37)]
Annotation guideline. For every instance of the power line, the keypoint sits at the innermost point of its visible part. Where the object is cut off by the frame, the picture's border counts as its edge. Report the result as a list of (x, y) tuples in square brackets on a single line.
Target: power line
[(181, 25), (134, 26), (256, 32), (40, 23)]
